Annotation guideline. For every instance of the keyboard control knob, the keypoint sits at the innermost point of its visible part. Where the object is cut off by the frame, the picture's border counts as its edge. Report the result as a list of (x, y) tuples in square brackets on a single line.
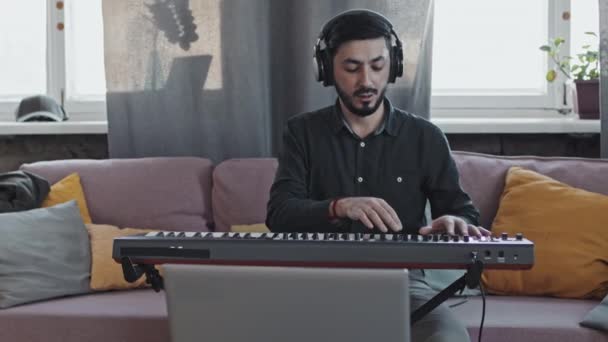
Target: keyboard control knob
[(446, 238), (465, 238), (504, 236), (519, 236)]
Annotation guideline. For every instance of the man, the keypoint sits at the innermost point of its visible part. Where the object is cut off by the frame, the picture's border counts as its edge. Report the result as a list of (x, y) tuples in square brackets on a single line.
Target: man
[(362, 165)]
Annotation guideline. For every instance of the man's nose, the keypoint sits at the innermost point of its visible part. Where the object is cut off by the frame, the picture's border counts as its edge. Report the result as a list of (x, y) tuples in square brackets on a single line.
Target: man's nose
[(365, 77)]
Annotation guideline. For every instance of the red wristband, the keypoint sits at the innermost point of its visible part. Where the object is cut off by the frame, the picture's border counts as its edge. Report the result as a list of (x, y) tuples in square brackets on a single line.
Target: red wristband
[(333, 215)]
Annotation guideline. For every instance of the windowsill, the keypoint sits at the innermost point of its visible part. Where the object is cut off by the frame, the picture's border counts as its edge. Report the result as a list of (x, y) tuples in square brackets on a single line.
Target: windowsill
[(517, 125), (449, 125), (44, 128)]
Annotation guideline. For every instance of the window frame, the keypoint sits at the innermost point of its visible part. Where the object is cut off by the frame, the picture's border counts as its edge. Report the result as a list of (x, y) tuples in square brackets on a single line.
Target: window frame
[(56, 79)]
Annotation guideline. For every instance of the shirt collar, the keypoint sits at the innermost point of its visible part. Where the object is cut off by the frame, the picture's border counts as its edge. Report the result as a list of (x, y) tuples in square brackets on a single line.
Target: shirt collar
[(338, 121)]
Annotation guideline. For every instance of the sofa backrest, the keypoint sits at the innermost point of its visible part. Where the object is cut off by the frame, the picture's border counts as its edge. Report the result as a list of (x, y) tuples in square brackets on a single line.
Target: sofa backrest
[(171, 193), (241, 188), (483, 176)]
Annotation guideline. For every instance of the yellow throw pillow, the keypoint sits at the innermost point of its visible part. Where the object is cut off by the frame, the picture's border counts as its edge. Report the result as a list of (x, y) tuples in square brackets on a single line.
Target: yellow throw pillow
[(106, 274), (66, 190), (569, 228), (250, 228)]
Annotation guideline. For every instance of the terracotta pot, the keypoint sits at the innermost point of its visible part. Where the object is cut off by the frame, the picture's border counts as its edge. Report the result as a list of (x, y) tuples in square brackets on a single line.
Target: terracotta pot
[(586, 101)]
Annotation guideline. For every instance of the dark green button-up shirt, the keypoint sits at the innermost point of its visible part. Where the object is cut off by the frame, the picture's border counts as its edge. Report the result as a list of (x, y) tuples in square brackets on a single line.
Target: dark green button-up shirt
[(405, 162)]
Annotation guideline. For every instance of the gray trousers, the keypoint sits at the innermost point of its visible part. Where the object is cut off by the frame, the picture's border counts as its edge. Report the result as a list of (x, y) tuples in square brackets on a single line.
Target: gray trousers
[(439, 325)]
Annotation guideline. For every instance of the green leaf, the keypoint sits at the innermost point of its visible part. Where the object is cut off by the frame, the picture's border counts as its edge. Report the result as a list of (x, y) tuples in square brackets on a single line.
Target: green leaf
[(591, 33), (586, 46), (545, 48), (551, 75), (558, 41)]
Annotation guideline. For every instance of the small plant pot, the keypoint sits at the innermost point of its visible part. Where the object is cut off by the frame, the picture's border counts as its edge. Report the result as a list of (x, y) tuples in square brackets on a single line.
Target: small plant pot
[(586, 99)]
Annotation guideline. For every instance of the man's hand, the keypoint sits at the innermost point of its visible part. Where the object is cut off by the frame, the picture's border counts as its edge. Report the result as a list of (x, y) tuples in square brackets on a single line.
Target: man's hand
[(453, 225), (370, 211)]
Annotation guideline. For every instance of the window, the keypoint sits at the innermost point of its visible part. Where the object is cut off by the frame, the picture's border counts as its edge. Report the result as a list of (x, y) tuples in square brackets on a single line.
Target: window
[(486, 55), (38, 57)]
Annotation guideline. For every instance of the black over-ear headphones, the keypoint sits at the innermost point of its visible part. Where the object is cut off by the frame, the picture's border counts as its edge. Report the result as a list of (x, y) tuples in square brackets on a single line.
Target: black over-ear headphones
[(322, 58)]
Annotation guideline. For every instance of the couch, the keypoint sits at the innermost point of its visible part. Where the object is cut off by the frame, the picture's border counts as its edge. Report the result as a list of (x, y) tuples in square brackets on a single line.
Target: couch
[(183, 193)]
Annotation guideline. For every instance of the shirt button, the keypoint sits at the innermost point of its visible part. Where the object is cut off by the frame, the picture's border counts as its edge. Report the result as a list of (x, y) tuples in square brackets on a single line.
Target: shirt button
[(399, 179), (362, 144), (360, 179)]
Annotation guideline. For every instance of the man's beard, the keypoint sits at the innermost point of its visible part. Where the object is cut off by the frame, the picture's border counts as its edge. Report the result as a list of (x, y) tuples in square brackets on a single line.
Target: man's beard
[(367, 109)]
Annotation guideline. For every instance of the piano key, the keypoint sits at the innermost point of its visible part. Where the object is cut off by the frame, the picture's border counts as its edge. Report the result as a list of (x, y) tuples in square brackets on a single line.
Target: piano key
[(152, 234)]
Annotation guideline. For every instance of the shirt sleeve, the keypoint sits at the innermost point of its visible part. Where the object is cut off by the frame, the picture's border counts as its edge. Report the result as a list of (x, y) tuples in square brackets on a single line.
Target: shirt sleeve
[(443, 188), (289, 208)]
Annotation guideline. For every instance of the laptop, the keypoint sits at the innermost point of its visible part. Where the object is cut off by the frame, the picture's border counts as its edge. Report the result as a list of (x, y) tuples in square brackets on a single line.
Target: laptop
[(221, 303)]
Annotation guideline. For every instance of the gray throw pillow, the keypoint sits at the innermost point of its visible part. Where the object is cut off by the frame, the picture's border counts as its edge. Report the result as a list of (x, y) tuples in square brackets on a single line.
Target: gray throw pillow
[(44, 253), (598, 317)]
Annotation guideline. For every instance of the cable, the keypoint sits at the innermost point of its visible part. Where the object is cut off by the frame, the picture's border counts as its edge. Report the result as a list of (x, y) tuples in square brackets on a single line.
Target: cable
[(483, 310)]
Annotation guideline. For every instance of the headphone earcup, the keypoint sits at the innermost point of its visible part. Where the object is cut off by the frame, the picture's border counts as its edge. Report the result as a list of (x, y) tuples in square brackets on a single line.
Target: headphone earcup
[(396, 64), (328, 72)]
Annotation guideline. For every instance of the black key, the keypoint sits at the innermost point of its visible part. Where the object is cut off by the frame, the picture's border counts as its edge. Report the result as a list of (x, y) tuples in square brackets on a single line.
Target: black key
[(396, 237), (247, 236), (275, 236), (446, 238), (293, 236), (304, 236), (160, 234), (237, 235), (315, 236), (435, 237), (466, 238), (426, 238), (285, 236), (382, 237), (357, 236), (344, 236), (181, 234), (456, 238), (171, 234), (415, 237), (225, 235)]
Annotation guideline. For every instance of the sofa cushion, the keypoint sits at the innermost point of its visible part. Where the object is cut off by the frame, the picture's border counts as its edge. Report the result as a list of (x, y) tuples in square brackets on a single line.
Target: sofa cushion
[(137, 315), (67, 189), (44, 253), (241, 188), (482, 176), (106, 274), (567, 226), (538, 319), (172, 193)]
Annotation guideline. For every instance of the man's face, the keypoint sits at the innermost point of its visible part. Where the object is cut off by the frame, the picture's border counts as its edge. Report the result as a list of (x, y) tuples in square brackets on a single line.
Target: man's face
[(361, 70)]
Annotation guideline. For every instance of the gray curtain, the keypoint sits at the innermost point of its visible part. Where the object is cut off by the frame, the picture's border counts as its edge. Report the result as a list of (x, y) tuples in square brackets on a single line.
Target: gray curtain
[(604, 76), (218, 79)]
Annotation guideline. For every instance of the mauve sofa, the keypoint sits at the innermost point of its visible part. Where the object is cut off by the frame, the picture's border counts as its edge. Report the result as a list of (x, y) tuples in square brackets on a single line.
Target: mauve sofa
[(191, 194)]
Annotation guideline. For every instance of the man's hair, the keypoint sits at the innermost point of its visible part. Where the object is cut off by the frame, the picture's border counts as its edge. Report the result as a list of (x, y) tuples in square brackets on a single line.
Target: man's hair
[(356, 27)]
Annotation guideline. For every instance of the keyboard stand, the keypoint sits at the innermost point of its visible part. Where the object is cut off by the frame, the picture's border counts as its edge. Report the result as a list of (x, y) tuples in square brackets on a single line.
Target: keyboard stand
[(133, 272), (470, 279)]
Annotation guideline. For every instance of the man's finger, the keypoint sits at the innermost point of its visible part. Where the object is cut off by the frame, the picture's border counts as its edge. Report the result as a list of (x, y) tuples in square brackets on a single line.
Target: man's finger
[(375, 218), (425, 230), (484, 231), (387, 217), (447, 223), (393, 213), (461, 227), (474, 231), (363, 218)]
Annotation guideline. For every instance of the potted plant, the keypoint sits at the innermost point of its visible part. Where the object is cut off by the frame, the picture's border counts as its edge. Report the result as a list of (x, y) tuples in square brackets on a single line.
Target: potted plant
[(584, 70)]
